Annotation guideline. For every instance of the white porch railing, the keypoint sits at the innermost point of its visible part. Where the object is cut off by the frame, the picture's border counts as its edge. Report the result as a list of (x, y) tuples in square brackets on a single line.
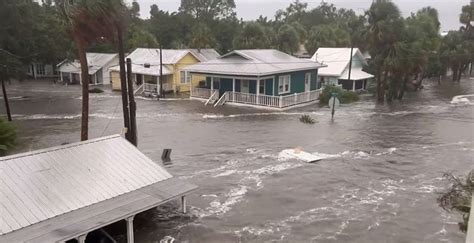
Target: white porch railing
[(257, 100), (140, 89)]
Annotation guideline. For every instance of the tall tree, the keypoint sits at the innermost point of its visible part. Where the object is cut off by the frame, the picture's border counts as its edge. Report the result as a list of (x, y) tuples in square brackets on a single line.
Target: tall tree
[(328, 35), (89, 22), (208, 9), (201, 37), (287, 39), (252, 36)]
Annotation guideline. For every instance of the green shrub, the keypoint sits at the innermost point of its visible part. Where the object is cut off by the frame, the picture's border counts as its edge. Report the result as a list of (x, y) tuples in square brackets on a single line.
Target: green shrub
[(96, 90), (307, 119), (7, 136), (343, 95)]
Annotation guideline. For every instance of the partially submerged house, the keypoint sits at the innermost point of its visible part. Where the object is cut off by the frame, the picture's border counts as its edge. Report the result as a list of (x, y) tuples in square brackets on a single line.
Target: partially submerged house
[(63, 193), (337, 70), (146, 68), (259, 78), (99, 64), (41, 70)]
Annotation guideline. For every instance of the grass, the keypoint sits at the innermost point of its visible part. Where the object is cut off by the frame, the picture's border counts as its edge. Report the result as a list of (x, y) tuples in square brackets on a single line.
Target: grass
[(7, 136)]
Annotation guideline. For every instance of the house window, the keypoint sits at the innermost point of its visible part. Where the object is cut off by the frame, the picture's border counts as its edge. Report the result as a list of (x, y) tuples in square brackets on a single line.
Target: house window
[(185, 77), (284, 83), (40, 69), (261, 88)]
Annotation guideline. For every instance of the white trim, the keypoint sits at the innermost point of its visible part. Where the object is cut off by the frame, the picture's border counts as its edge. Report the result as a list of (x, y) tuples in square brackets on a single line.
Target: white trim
[(289, 84), (307, 86)]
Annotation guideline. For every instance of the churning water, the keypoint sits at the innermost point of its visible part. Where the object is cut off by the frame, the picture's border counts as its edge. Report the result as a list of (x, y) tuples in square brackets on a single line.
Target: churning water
[(378, 180)]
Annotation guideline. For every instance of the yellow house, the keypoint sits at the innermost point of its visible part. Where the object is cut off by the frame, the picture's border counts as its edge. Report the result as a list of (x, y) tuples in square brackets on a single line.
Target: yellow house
[(146, 69)]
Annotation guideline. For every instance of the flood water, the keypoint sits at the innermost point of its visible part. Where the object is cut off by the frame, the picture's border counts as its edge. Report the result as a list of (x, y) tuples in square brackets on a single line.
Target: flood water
[(378, 182)]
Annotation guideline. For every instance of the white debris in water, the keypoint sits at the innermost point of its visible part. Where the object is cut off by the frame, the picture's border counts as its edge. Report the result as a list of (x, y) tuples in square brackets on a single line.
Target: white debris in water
[(209, 195), (226, 173), (462, 100), (234, 196), (212, 116)]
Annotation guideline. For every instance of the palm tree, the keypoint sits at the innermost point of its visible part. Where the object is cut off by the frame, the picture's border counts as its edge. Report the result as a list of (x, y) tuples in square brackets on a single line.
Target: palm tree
[(90, 21)]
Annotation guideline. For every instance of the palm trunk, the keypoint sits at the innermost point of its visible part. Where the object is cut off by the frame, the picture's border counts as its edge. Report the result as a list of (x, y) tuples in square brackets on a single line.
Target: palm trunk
[(85, 88), (404, 86), (5, 98), (123, 83), (381, 90)]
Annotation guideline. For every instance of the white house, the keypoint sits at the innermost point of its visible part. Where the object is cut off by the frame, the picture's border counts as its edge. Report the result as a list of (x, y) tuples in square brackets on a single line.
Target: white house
[(41, 70), (337, 70), (99, 64)]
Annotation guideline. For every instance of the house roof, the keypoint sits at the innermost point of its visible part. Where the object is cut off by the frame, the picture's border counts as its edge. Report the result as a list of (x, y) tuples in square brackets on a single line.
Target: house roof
[(356, 74), (38, 187), (95, 61), (142, 56), (258, 62), (204, 55), (336, 59)]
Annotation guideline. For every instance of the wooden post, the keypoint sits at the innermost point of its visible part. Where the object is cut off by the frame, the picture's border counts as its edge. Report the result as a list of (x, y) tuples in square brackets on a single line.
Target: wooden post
[(353, 85), (212, 84), (162, 94), (132, 105), (130, 238), (123, 83), (281, 101), (350, 69), (183, 203), (5, 98)]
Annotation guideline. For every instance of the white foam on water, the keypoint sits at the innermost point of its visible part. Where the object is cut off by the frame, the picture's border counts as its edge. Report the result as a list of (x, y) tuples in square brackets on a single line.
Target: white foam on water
[(462, 100), (209, 195), (167, 239), (212, 116), (226, 173), (217, 207)]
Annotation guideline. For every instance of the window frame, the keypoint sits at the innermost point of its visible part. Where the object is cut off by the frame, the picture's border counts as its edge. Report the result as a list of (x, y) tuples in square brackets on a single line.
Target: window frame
[(284, 80), (184, 76)]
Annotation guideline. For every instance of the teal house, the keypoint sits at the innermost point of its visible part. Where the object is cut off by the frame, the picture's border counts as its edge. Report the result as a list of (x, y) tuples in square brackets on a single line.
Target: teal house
[(258, 78)]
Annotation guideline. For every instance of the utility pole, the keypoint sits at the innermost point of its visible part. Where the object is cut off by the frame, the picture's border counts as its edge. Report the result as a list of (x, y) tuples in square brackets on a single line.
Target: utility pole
[(350, 67), (132, 105), (123, 82), (161, 72), (5, 98)]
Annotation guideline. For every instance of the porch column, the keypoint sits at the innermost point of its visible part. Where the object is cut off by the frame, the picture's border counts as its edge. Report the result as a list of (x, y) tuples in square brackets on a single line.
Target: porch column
[(191, 85), (258, 89), (80, 78), (212, 84), (233, 89), (61, 77), (183, 204), (353, 85), (81, 238), (95, 78), (130, 238), (274, 87), (34, 71), (70, 78)]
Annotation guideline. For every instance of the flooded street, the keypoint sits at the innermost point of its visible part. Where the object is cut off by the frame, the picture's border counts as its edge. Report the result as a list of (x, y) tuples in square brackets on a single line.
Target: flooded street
[(378, 182)]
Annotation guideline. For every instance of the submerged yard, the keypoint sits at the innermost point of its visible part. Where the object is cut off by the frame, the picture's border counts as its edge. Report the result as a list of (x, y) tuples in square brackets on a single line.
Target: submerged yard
[(377, 183)]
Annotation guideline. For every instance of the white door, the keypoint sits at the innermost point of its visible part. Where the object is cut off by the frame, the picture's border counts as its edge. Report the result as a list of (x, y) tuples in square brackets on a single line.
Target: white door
[(244, 86), (307, 82)]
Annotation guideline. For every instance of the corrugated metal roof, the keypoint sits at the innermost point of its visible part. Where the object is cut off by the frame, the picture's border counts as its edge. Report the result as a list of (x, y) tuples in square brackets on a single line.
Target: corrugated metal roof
[(142, 56), (254, 63), (204, 55), (336, 59), (96, 61), (356, 74), (43, 184)]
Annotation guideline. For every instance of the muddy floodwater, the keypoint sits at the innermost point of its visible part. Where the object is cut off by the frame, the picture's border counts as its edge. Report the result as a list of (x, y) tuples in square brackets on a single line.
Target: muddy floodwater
[(378, 182)]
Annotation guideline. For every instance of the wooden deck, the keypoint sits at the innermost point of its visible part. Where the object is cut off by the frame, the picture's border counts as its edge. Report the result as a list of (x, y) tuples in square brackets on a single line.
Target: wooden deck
[(73, 224)]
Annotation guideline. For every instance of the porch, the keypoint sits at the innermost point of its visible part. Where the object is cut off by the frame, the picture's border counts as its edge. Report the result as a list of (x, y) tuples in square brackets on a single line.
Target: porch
[(255, 100)]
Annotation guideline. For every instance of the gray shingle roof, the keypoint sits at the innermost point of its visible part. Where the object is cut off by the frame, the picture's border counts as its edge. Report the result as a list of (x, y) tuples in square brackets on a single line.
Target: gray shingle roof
[(96, 61)]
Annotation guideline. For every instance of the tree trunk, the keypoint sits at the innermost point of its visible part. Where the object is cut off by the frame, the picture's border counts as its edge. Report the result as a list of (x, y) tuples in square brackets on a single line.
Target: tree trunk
[(81, 47), (404, 86), (123, 82), (381, 90), (5, 98)]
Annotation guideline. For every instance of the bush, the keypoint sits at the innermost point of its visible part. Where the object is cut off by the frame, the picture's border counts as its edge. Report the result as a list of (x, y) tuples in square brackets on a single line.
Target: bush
[(7, 136), (343, 95), (96, 90), (307, 119), (458, 197)]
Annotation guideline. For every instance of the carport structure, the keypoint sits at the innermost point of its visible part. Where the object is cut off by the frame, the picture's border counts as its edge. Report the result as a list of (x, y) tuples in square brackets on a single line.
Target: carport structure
[(65, 192)]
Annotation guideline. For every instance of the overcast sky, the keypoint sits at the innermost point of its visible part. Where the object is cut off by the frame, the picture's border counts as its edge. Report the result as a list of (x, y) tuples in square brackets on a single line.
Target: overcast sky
[(449, 10)]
